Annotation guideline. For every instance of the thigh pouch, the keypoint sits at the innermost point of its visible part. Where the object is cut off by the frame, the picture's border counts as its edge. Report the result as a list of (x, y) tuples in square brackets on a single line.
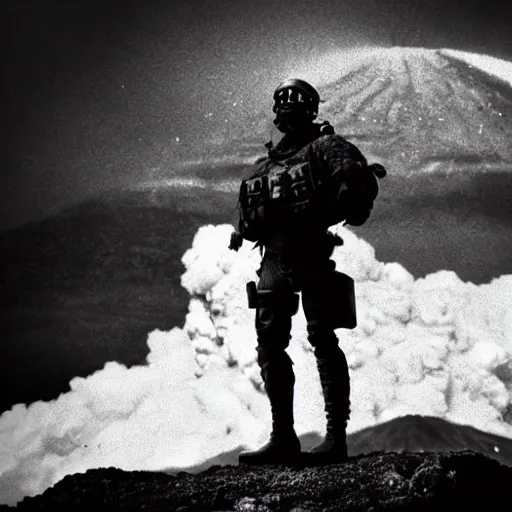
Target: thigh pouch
[(331, 301), (286, 301)]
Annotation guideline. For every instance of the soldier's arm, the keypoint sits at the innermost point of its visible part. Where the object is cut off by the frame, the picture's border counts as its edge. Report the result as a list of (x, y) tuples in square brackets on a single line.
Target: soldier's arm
[(340, 159), (236, 239), (354, 182), (242, 228)]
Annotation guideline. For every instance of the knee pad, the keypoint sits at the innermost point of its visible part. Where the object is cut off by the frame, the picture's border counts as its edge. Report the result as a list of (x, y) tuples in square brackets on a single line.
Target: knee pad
[(323, 339), (273, 356), (329, 350)]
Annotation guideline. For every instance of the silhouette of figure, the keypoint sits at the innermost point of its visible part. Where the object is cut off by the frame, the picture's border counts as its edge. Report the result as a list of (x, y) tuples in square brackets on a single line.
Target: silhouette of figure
[(310, 180)]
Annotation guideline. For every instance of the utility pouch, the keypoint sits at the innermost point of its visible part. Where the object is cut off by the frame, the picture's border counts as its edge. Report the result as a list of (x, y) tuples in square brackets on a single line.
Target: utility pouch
[(344, 301), (286, 301), (252, 295)]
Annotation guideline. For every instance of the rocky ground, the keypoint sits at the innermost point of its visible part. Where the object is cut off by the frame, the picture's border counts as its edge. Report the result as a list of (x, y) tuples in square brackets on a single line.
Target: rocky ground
[(374, 482)]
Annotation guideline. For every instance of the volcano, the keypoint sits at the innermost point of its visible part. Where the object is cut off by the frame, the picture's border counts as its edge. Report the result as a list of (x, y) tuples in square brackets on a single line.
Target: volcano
[(80, 274), (412, 109), (86, 286)]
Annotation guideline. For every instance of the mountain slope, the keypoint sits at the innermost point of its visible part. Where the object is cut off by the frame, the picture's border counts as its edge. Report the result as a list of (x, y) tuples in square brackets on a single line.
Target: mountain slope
[(416, 107), (382, 473), (378, 482), (414, 433)]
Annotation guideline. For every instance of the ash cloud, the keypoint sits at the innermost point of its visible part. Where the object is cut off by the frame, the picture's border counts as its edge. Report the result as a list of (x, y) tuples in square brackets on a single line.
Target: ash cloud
[(434, 346)]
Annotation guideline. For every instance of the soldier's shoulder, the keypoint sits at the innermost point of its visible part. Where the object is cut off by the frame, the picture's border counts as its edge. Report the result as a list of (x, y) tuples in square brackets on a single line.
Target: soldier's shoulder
[(331, 140), (258, 167)]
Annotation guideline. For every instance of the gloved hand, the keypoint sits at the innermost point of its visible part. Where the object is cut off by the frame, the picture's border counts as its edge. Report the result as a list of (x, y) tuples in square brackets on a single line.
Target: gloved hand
[(361, 191), (236, 241)]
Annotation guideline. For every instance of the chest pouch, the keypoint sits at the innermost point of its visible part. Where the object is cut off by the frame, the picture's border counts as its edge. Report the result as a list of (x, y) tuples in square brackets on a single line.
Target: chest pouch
[(285, 194)]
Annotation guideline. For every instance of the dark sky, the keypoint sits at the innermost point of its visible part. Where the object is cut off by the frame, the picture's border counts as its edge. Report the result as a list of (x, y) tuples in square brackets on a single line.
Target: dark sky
[(97, 94)]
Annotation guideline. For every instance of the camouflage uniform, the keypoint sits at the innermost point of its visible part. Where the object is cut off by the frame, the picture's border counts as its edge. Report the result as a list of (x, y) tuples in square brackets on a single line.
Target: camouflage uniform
[(288, 218)]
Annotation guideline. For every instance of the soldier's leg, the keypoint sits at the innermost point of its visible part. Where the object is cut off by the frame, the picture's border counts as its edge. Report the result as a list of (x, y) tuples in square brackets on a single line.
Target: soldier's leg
[(318, 302), (277, 303), (273, 324)]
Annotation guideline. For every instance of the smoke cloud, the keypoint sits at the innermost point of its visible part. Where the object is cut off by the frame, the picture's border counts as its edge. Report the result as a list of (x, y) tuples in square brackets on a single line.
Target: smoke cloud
[(433, 346)]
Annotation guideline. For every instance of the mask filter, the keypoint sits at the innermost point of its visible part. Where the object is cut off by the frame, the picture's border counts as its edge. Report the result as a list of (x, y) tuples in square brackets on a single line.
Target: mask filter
[(292, 108)]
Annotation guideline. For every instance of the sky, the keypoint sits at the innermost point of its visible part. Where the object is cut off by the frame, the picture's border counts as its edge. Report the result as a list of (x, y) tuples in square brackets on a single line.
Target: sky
[(435, 346), (105, 95)]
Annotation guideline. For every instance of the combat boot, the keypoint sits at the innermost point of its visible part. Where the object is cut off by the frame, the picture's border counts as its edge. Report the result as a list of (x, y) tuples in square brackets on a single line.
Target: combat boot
[(335, 388), (333, 449), (282, 449), (284, 445)]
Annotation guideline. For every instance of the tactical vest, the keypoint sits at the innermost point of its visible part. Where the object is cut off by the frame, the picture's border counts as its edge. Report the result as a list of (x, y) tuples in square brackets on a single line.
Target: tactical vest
[(286, 196)]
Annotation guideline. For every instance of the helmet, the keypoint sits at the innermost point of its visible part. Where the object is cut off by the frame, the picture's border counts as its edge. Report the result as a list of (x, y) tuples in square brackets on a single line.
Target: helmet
[(308, 95)]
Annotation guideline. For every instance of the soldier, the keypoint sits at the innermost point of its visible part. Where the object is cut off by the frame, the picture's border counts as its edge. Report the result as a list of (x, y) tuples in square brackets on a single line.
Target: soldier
[(310, 180)]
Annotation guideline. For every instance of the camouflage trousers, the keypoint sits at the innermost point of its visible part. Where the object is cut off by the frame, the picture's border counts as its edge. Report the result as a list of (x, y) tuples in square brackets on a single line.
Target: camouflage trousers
[(309, 271)]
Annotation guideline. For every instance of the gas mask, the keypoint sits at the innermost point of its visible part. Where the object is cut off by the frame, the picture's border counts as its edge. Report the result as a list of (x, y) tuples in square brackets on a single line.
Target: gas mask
[(295, 105)]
